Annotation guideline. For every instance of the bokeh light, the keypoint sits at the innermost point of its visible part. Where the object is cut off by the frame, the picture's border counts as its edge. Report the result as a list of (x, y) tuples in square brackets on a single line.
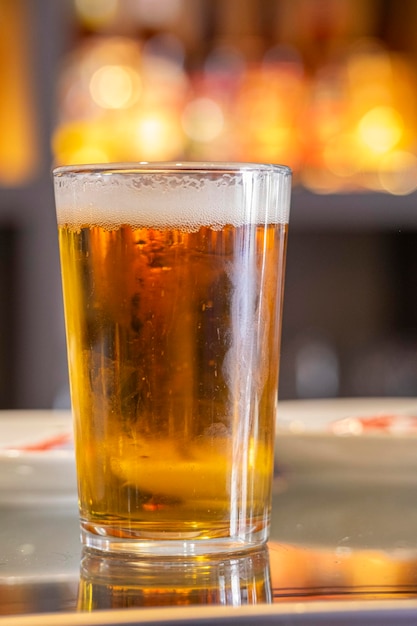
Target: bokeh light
[(398, 172), (96, 13), (115, 86), (202, 119), (120, 102), (158, 136), (350, 125), (380, 129)]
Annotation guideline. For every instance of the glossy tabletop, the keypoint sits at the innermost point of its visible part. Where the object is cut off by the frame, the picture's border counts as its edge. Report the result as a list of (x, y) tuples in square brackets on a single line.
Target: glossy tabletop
[(341, 551)]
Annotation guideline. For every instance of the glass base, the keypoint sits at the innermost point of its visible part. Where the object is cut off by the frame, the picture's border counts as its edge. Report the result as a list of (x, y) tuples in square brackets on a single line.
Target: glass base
[(186, 546)]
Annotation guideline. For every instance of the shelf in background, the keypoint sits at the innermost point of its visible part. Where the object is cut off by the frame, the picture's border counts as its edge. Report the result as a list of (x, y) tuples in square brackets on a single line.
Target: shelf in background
[(353, 211)]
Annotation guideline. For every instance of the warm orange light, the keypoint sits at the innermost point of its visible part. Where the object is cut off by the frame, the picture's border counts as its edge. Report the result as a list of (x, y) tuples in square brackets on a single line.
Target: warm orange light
[(96, 12), (19, 150), (82, 142), (115, 86), (398, 172), (203, 119), (380, 129), (340, 155), (88, 154), (118, 106), (351, 126), (265, 115), (157, 136)]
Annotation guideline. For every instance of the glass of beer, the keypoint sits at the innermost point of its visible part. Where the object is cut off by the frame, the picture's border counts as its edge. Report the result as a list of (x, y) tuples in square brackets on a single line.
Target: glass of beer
[(173, 278)]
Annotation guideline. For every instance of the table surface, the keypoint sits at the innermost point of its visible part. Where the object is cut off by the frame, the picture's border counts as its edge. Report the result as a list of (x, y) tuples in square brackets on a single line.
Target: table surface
[(340, 549)]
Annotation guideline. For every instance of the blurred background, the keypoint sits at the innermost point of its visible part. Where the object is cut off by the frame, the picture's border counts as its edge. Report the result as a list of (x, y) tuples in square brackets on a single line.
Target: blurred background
[(328, 87)]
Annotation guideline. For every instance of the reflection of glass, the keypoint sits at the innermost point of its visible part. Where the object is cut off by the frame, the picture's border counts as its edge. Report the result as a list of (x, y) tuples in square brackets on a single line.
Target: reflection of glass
[(118, 582)]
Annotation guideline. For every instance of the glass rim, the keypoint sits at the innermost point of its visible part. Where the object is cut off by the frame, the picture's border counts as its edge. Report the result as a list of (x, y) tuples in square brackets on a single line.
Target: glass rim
[(170, 167)]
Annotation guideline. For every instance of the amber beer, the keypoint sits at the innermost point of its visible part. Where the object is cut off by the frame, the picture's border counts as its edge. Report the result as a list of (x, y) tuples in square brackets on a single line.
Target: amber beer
[(173, 311)]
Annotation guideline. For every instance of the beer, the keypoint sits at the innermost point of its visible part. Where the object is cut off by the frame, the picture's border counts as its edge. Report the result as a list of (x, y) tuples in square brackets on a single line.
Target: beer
[(173, 342)]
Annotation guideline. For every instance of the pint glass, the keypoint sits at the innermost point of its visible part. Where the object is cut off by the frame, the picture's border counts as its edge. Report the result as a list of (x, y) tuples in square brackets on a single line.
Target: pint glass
[(173, 279)]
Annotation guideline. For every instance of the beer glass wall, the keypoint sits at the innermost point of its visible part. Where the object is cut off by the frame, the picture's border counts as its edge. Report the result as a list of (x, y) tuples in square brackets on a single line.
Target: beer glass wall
[(173, 281)]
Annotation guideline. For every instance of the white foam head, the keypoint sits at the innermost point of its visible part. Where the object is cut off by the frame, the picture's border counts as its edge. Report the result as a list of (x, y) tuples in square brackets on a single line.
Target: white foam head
[(168, 195)]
